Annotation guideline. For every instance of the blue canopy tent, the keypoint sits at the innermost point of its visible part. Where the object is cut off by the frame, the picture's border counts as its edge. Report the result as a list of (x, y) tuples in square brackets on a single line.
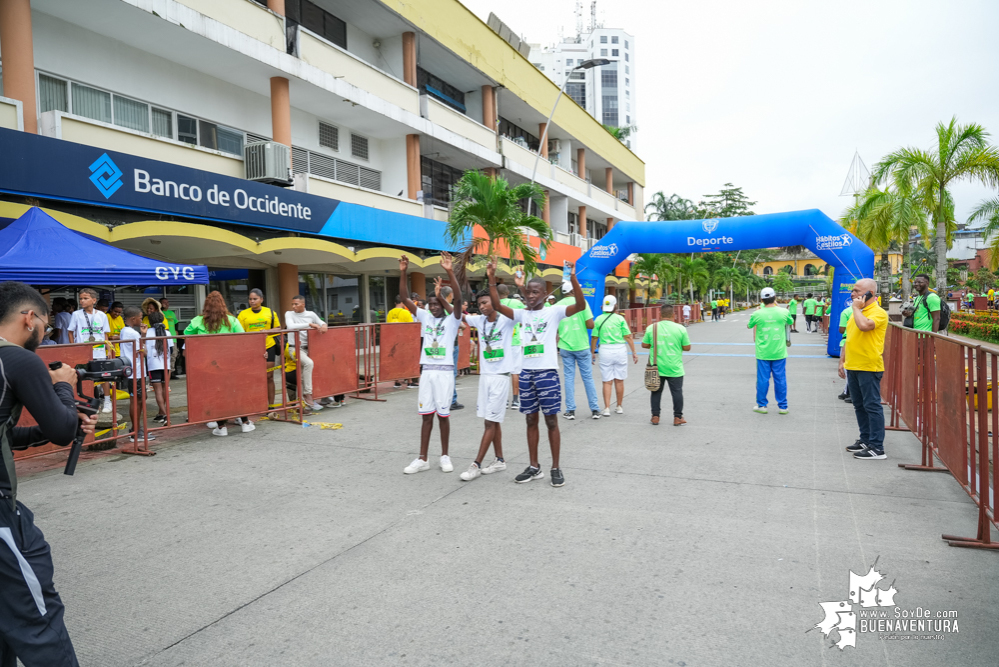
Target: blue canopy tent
[(813, 229), (37, 249)]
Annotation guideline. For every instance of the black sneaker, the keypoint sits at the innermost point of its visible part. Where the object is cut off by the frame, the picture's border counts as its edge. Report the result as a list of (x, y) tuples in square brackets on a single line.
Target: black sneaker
[(871, 454), (457, 406), (595, 415), (161, 419), (843, 396), (515, 403), (849, 400), (140, 436), (530, 472), (569, 414), (856, 447), (557, 478)]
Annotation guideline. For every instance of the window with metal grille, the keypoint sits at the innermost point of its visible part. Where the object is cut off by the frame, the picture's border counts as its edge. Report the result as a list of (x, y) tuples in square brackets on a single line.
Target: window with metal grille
[(578, 76), (347, 172), (508, 129), (615, 52), (316, 19), (440, 89), (441, 178), (577, 91), (329, 136), (610, 117), (358, 146), (371, 179), (614, 39), (603, 39), (608, 78), (299, 160), (321, 165)]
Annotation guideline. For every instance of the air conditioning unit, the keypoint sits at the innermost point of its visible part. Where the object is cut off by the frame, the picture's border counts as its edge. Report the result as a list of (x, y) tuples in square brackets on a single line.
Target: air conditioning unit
[(267, 162), (578, 240), (554, 146)]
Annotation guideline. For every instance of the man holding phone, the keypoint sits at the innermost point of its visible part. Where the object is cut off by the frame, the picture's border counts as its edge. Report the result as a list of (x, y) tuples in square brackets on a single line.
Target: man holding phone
[(862, 356)]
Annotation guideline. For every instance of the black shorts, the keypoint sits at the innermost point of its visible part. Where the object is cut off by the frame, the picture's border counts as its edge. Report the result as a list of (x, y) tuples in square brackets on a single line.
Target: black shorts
[(272, 353), (139, 386), (156, 377), (794, 317)]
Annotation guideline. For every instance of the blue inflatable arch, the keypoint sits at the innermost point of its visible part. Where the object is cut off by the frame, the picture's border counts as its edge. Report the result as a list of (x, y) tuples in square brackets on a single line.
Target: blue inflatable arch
[(813, 229)]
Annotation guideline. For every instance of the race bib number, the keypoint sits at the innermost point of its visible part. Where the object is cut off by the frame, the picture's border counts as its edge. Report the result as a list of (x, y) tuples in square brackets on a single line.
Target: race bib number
[(493, 355), (435, 352), (534, 350)]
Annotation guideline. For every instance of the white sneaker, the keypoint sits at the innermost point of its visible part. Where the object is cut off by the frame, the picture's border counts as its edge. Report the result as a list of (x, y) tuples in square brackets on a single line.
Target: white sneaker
[(619, 410), (314, 406), (220, 431), (760, 409), (606, 412), (247, 426), (495, 466), (212, 424), (470, 474), (418, 465), (107, 404), (446, 465)]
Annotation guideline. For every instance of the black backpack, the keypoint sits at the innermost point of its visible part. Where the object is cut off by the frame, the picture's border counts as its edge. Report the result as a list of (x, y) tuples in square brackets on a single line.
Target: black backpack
[(944, 312)]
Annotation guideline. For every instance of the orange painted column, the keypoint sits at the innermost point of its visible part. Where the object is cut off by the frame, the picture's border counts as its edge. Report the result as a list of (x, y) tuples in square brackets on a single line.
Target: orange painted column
[(409, 58), (287, 285), (544, 211), (544, 144), (18, 54), (418, 284), (490, 172), (276, 6), (489, 107), (582, 221), (610, 224), (581, 163), (610, 180), (280, 110), (413, 180), (631, 193)]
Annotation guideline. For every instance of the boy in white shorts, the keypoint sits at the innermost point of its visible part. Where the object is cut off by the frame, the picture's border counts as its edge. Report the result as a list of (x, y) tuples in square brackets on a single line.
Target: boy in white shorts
[(439, 329), (496, 362)]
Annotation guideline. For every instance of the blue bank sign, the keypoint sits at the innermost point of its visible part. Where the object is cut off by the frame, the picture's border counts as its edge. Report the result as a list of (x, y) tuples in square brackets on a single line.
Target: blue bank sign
[(55, 169)]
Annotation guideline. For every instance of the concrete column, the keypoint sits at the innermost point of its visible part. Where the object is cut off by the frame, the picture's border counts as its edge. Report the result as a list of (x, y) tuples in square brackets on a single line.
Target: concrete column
[(545, 212), (489, 107), (582, 221), (287, 285), (18, 55), (548, 287), (610, 180), (409, 58), (280, 111), (631, 193), (543, 149), (610, 224), (413, 181), (581, 163), (276, 6), (491, 172), (418, 283), (200, 292)]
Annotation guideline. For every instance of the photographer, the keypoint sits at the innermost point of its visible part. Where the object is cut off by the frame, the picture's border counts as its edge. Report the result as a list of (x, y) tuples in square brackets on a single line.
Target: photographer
[(31, 613)]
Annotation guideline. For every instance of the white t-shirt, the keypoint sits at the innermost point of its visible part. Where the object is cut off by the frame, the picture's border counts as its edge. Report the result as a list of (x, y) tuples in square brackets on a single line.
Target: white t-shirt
[(62, 321), (495, 343), (293, 320), (538, 333), (439, 337), (128, 333), (686, 310), (84, 325), (154, 360)]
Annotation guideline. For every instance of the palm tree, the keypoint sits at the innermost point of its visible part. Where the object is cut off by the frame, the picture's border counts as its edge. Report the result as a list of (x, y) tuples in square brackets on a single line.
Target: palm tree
[(674, 208), (694, 272), (988, 210), (621, 133), (491, 204), (962, 154), (726, 277), (886, 218), (654, 266)]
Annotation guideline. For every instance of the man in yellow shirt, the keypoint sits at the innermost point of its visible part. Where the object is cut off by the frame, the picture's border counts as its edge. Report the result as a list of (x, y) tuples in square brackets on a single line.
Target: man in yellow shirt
[(400, 313), (862, 364)]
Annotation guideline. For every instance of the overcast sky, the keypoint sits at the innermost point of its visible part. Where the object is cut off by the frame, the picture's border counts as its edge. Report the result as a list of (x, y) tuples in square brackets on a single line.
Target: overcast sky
[(775, 96)]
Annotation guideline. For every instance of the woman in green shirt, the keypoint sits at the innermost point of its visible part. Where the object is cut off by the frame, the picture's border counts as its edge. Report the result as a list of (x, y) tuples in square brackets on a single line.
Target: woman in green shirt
[(613, 332), (215, 319)]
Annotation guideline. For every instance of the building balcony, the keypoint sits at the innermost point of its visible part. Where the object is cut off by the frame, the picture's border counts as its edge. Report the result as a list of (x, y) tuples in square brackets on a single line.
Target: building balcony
[(249, 18), (353, 194), (11, 114), (457, 122)]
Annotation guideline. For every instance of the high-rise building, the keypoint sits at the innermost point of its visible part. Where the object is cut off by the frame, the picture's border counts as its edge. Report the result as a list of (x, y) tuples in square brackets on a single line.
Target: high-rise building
[(608, 92)]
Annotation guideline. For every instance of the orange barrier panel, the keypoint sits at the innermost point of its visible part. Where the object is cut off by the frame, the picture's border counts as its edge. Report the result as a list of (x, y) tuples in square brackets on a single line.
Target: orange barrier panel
[(335, 355), (226, 376), (464, 349), (399, 354), (981, 303)]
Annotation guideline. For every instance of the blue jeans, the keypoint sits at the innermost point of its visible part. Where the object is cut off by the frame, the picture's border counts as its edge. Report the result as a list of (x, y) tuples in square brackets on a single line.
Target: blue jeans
[(454, 399), (865, 390), (585, 361), (764, 369)]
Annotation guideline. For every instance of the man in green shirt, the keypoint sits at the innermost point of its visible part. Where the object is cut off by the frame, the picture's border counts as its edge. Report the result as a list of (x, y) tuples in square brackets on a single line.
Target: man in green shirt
[(517, 351), (792, 308), (574, 348), (809, 307), (770, 326), (926, 317), (714, 310), (669, 341)]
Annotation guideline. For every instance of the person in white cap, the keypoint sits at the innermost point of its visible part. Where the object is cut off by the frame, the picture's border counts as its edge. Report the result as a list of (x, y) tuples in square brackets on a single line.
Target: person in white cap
[(550, 301), (771, 327), (613, 332)]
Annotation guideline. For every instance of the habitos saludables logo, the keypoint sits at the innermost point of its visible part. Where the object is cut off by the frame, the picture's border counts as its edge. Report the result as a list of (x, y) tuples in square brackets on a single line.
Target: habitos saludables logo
[(105, 175)]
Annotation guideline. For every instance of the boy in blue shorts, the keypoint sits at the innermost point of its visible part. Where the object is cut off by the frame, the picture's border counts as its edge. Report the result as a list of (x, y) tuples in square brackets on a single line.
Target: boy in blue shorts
[(540, 389)]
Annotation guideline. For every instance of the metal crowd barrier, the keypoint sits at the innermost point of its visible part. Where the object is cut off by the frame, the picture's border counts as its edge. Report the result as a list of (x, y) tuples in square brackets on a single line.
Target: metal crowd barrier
[(941, 389)]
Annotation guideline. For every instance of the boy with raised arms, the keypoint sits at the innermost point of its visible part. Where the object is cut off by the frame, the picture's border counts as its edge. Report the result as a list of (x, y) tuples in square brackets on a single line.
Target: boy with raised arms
[(439, 329), (496, 362), (540, 390)]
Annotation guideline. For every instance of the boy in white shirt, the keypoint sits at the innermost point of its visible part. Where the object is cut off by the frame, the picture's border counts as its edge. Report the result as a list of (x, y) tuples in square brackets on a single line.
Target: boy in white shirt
[(540, 389), (157, 361), (135, 331), (89, 325), (439, 329)]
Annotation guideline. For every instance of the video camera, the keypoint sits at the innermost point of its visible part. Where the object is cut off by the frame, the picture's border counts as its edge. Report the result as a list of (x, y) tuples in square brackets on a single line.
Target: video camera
[(95, 370)]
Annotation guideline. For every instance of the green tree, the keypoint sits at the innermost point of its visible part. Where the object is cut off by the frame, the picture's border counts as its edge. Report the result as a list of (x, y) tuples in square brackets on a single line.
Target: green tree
[(673, 208), (728, 203), (782, 283), (694, 273), (496, 207), (621, 133), (988, 210), (962, 153), (653, 266)]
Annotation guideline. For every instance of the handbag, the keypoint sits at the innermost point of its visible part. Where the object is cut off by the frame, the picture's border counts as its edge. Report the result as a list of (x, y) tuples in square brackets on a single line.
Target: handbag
[(652, 380)]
